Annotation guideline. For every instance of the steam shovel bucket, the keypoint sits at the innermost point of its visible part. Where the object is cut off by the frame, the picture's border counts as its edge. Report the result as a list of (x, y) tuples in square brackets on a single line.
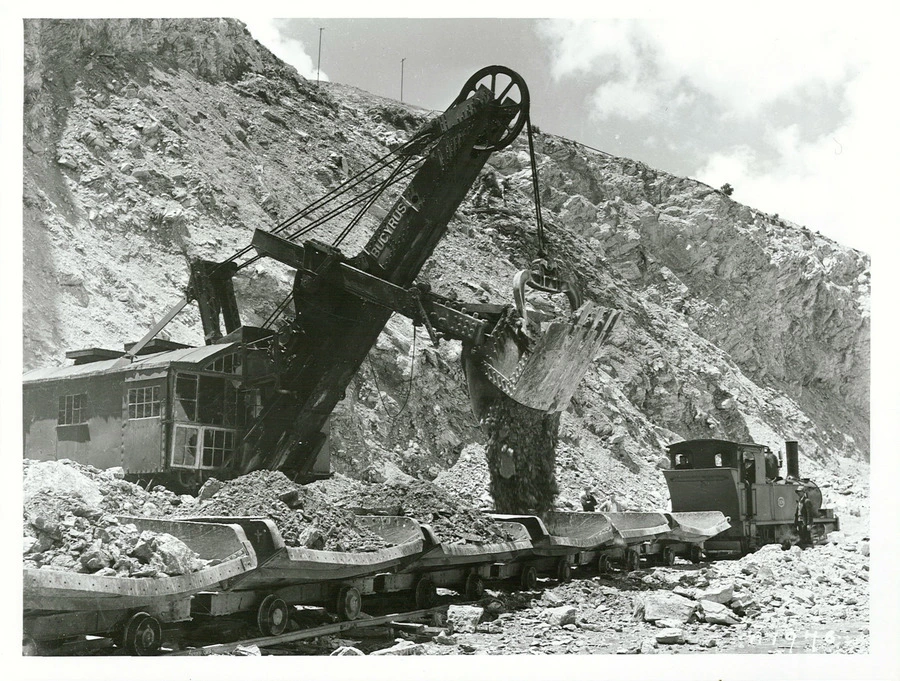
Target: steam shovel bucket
[(543, 372)]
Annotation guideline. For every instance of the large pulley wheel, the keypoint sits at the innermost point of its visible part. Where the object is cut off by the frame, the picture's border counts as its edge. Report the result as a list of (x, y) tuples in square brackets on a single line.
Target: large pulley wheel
[(509, 91), (425, 593), (474, 588), (142, 635), (349, 603), (272, 616)]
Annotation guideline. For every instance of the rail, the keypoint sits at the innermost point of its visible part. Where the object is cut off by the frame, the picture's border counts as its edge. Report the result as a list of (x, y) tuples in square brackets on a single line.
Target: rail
[(324, 630)]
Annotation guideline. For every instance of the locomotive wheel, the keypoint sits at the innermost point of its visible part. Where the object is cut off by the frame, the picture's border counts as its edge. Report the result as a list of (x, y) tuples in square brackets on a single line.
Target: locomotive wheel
[(528, 578), (603, 565), (349, 603), (425, 593), (632, 560), (505, 84), (474, 588), (141, 635), (272, 616), (563, 570)]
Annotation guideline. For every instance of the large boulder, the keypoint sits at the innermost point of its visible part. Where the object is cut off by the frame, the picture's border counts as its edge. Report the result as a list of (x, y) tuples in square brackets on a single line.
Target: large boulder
[(722, 593), (462, 619), (174, 556), (669, 636), (564, 614), (57, 477), (165, 553), (716, 613), (665, 605)]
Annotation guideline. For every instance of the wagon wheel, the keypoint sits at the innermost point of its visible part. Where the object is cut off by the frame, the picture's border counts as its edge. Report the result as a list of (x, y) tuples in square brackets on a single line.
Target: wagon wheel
[(603, 564), (668, 556), (474, 587), (272, 616), (695, 554), (563, 570), (142, 635), (632, 560), (425, 593), (510, 91), (349, 603), (528, 578)]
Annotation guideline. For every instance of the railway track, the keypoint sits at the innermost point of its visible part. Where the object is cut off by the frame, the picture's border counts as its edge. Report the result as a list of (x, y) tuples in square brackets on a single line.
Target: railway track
[(394, 619)]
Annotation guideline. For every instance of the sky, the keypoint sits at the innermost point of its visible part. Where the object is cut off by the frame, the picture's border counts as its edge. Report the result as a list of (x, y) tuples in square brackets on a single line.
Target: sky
[(795, 114)]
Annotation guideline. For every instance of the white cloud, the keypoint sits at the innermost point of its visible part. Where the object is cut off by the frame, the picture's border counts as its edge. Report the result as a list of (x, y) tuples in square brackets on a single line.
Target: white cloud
[(819, 165), (839, 183), (625, 99), (744, 64), (289, 50)]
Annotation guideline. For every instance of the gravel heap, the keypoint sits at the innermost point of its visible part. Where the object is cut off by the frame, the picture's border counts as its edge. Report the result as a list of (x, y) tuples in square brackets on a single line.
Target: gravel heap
[(468, 478), (104, 489), (453, 521), (808, 600), (69, 524), (521, 455), (813, 600), (304, 516)]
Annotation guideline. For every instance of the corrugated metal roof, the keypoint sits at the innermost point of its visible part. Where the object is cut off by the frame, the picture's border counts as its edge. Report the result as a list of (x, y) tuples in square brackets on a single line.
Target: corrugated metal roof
[(159, 359)]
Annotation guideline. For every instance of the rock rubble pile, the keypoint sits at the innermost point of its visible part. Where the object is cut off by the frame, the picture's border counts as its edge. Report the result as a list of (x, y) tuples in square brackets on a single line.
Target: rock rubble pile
[(305, 516), (521, 455), (453, 521), (809, 600), (70, 524)]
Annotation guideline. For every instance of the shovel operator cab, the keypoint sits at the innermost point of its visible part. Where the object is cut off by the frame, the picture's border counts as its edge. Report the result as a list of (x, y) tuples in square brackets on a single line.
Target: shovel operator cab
[(744, 482)]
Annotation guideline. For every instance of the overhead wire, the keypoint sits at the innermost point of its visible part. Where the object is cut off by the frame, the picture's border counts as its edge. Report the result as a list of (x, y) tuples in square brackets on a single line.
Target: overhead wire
[(348, 184), (536, 188), (412, 368)]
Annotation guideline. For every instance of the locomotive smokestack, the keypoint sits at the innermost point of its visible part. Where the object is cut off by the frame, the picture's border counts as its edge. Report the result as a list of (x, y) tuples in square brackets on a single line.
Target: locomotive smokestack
[(793, 459)]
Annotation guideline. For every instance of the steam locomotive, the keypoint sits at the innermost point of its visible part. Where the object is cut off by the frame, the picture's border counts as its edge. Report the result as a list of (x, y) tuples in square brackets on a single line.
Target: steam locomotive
[(743, 481)]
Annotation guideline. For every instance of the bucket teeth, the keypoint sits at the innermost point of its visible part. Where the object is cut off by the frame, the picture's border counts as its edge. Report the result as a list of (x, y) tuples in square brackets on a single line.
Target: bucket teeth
[(543, 373)]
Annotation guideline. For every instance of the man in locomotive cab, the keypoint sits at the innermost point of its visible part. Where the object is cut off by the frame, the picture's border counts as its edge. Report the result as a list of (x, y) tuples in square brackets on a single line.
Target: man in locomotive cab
[(772, 466), (682, 463), (748, 468)]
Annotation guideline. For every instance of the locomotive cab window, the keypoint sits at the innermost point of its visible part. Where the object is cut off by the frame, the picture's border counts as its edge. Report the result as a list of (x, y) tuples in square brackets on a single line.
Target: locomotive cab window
[(72, 410)]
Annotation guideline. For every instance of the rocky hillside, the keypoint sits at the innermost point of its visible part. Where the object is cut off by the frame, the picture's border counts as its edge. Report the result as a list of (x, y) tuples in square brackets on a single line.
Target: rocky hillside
[(152, 142)]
